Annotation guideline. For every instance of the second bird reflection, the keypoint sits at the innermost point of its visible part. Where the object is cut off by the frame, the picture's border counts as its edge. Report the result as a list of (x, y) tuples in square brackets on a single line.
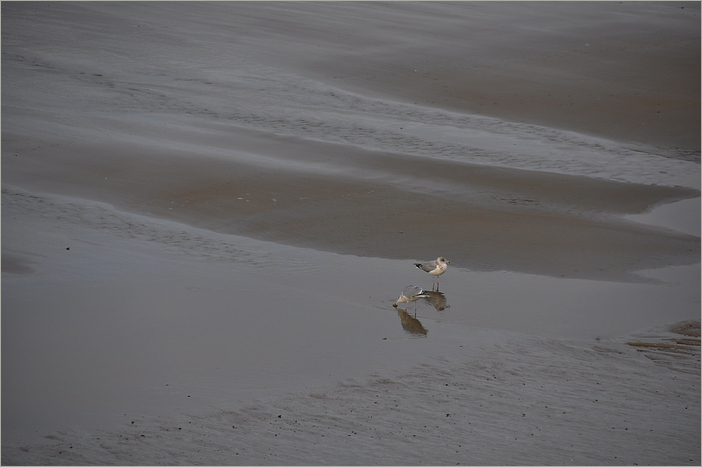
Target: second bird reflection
[(437, 300)]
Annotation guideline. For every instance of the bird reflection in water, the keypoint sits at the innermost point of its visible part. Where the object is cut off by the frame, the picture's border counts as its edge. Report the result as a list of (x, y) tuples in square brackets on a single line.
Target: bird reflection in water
[(410, 324), (414, 294), (437, 300)]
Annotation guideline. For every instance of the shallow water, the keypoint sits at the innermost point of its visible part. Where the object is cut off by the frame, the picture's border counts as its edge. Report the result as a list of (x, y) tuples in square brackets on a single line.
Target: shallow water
[(683, 216), (124, 89)]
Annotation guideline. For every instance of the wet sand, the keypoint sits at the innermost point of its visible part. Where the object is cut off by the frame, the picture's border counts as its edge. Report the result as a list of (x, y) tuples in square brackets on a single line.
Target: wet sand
[(209, 208), (380, 204), (138, 341)]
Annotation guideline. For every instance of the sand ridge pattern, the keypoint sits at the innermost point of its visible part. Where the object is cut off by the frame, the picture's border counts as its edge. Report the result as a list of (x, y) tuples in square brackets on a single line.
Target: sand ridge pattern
[(678, 348), (253, 146), (561, 404)]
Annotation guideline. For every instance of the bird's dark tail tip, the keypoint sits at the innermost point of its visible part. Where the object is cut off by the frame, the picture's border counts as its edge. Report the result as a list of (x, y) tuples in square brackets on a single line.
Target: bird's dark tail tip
[(419, 265)]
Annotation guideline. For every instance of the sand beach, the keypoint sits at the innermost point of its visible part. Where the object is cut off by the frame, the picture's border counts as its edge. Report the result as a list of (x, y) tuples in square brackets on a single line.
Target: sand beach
[(209, 208)]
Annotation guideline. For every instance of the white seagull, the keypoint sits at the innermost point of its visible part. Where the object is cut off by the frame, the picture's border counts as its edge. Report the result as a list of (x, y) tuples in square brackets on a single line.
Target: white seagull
[(412, 293), (435, 268)]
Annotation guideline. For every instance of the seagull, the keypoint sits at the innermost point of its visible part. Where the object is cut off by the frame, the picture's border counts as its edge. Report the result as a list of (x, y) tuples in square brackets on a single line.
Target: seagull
[(412, 293), (435, 268)]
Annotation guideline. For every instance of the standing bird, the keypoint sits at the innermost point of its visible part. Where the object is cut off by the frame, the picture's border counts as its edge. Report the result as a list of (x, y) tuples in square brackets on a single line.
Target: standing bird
[(435, 268), (412, 293)]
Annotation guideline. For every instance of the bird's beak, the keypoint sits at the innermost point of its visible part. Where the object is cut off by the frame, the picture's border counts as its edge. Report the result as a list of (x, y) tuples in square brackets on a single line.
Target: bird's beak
[(395, 305)]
